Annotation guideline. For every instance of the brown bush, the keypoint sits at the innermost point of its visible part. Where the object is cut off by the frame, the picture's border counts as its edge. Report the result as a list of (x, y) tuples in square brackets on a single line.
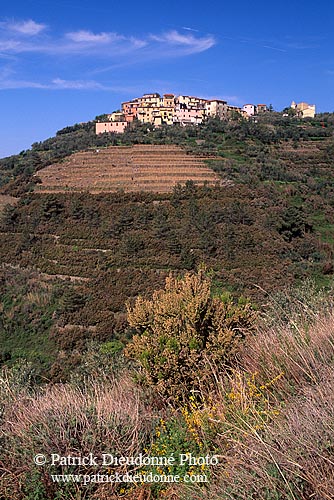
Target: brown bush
[(180, 329)]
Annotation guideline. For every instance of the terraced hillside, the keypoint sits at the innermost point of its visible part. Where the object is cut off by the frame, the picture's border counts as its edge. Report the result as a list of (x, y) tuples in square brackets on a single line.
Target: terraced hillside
[(131, 168)]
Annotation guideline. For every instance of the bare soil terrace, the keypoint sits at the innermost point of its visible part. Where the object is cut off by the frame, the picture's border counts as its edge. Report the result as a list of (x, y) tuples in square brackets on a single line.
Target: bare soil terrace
[(129, 168), (7, 200)]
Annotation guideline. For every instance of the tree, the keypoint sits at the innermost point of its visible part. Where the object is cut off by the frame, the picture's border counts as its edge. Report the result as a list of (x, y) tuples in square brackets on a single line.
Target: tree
[(52, 208), (293, 224), (289, 111)]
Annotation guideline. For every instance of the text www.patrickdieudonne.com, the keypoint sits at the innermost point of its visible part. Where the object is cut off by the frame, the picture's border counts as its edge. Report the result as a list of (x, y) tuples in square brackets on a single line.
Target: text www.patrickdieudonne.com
[(128, 478)]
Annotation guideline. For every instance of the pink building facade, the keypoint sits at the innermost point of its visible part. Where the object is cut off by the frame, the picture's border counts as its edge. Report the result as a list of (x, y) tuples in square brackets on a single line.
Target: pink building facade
[(186, 116), (115, 127), (130, 109)]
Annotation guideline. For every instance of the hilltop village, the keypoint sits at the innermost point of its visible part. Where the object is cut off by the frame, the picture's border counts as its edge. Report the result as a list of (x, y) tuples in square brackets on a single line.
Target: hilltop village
[(170, 109)]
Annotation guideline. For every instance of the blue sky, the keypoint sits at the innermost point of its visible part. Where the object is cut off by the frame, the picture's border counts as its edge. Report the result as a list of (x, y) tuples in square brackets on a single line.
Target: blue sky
[(66, 61)]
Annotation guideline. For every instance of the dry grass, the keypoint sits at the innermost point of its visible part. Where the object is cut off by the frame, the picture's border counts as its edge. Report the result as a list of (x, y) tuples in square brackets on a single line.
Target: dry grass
[(292, 458), (74, 421), (301, 352), (276, 416)]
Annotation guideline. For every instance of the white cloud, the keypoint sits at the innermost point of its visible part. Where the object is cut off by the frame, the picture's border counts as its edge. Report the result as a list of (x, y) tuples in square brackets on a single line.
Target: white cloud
[(19, 84), (234, 99), (137, 43), (189, 29), (8, 81), (9, 45), (112, 50), (110, 45), (83, 36), (56, 84), (29, 27), (192, 43), (59, 83), (231, 99), (274, 48)]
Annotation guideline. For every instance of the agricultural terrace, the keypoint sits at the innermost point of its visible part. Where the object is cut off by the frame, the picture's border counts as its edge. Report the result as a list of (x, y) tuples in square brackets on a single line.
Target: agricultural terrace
[(129, 168)]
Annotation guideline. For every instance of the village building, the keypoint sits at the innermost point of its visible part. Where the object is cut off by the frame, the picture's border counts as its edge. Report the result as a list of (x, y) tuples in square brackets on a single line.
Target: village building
[(169, 109), (190, 101), (216, 108), (117, 116), (130, 109), (168, 100), (233, 111), (303, 109), (261, 108), (116, 127), (150, 100), (188, 116), (250, 109)]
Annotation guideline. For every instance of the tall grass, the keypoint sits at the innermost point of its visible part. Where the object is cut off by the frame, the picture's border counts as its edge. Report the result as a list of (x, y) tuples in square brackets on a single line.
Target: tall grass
[(289, 458), (300, 344), (276, 412), (69, 420)]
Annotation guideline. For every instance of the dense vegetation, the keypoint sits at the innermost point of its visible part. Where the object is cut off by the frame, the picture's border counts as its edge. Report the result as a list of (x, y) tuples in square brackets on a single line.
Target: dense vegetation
[(94, 350), (122, 245)]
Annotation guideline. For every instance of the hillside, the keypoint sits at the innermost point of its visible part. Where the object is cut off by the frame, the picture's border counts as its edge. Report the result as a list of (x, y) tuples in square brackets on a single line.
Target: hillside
[(236, 220), (131, 168), (266, 224)]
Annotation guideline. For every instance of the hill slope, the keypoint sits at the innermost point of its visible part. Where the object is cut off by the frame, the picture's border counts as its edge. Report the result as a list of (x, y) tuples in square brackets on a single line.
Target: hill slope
[(132, 168), (273, 226)]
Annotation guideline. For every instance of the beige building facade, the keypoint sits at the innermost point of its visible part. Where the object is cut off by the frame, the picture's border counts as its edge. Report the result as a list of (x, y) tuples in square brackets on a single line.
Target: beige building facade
[(303, 109), (216, 108), (250, 109), (183, 109)]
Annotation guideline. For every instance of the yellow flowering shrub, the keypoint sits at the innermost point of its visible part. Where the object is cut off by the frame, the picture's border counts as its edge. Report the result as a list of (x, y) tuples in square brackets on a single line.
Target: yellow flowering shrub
[(183, 333)]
